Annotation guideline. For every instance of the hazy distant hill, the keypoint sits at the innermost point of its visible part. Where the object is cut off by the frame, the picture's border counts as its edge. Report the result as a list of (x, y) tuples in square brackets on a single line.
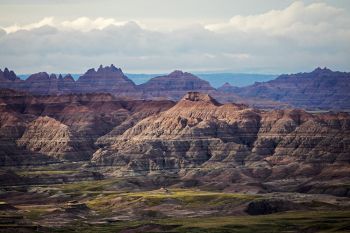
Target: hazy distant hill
[(320, 89), (215, 79), (236, 79)]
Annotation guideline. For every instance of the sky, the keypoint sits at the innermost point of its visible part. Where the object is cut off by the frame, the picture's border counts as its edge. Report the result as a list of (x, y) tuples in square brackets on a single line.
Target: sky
[(158, 36)]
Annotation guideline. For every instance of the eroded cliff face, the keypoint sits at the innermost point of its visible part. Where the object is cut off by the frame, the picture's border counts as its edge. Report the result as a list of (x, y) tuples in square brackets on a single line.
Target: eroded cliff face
[(198, 139), (48, 136), (36, 129), (227, 144)]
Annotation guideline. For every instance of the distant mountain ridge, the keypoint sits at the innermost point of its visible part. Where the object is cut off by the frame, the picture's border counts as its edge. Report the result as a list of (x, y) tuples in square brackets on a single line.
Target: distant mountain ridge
[(319, 89), (216, 79), (174, 85)]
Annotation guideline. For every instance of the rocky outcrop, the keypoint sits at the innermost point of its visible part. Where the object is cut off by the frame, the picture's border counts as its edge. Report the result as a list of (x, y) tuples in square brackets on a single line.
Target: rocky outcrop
[(177, 138), (106, 80), (50, 137), (202, 139), (8, 76), (203, 142), (42, 83), (39, 129), (174, 85), (9, 80)]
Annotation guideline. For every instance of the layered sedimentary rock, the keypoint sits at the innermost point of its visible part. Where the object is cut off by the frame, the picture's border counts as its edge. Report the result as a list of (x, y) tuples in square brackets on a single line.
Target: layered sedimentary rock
[(204, 140), (63, 126), (48, 136), (182, 136)]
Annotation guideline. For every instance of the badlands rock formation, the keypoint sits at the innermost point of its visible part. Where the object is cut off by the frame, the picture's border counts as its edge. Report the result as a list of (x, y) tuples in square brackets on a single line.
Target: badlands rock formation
[(321, 88), (63, 127), (227, 144), (106, 80), (199, 140), (48, 136), (174, 85)]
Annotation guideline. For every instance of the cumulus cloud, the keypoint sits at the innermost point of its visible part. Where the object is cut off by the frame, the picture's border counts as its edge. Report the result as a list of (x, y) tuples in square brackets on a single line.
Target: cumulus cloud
[(297, 38), (48, 21), (83, 24), (86, 24), (279, 22)]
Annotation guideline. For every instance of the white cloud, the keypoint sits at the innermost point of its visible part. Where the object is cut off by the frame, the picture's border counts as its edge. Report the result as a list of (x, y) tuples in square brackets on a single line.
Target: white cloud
[(297, 38), (312, 17), (48, 21), (85, 24)]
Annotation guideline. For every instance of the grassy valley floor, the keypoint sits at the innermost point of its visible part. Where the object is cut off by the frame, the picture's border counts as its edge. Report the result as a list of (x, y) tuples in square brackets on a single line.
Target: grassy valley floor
[(76, 201)]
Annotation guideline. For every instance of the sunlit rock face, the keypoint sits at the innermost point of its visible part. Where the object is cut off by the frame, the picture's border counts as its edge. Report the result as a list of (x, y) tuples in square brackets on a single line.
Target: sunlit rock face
[(48, 136), (198, 139), (202, 139)]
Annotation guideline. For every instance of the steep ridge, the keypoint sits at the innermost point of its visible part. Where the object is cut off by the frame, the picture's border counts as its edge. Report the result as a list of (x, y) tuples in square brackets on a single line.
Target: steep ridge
[(232, 146), (8, 79), (106, 80), (8, 76), (38, 83)]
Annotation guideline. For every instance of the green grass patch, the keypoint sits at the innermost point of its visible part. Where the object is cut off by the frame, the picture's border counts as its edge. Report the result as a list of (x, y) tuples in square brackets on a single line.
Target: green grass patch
[(86, 186), (37, 213), (44, 172), (192, 197), (300, 221)]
